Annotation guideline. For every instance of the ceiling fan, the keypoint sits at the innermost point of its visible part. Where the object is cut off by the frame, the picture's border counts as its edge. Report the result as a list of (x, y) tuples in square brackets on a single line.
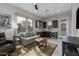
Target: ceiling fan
[(36, 6)]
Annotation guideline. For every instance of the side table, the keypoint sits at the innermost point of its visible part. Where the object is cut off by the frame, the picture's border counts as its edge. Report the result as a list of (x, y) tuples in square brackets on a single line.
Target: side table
[(17, 40)]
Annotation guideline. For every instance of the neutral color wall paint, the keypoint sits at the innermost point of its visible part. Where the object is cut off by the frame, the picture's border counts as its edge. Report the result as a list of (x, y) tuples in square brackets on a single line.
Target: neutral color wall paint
[(72, 20), (59, 17), (10, 11), (75, 32), (6, 9)]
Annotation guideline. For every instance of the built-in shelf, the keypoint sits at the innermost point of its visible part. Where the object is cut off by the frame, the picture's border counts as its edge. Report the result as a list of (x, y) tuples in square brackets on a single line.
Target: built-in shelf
[(55, 23), (40, 24)]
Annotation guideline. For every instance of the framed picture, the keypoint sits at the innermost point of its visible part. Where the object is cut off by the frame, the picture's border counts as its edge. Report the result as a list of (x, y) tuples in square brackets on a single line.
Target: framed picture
[(5, 21)]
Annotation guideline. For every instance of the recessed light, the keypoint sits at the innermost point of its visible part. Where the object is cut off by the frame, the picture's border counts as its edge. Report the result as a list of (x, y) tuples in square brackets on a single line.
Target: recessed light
[(47, 10), (58, 10)]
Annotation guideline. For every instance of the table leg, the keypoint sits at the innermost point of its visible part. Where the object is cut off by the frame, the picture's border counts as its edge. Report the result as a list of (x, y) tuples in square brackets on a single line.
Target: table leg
[(45, 43), (63, 49)]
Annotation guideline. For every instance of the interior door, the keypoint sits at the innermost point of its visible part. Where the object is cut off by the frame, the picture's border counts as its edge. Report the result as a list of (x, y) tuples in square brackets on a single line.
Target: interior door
[(63, 27)]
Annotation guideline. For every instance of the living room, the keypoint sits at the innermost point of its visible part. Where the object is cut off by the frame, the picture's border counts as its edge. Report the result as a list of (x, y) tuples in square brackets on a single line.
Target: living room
[(37, 29)]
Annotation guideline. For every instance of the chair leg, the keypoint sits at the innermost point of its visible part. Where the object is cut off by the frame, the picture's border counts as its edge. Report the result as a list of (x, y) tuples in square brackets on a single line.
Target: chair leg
[(44, 43)]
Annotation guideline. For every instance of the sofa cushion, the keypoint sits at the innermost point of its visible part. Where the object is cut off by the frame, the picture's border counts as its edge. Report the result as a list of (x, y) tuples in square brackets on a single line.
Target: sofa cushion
[(29, 34), (33, 37), (35, 33), (28, 40), (22, 35)]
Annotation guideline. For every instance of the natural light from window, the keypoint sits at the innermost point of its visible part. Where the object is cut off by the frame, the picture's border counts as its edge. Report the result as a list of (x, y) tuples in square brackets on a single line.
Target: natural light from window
[(24, 24), (30, 22), (20, 19)]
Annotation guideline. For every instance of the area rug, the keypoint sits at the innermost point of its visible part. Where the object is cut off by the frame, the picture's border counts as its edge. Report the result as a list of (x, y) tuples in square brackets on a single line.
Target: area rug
[(34, 50)]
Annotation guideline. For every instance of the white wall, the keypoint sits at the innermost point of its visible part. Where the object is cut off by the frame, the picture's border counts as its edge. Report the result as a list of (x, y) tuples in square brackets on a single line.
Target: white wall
[(10, 11), (59, 17), (72, 20), (75, 32), (6, 9)]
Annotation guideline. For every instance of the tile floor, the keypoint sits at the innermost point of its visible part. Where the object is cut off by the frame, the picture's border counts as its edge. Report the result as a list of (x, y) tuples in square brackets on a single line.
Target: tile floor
[(58, 50)]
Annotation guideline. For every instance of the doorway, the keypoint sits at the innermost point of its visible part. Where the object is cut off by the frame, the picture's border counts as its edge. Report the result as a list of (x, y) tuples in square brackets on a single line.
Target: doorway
[(63, 27)]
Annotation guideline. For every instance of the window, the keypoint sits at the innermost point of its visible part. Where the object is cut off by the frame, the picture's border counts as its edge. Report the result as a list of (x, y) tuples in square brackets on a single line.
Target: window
[(21, 24), (30, 25), (20, 19), (24, 25)]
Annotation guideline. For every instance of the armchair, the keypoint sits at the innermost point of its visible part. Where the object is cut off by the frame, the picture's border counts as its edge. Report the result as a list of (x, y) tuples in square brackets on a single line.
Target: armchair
[(6, 46)]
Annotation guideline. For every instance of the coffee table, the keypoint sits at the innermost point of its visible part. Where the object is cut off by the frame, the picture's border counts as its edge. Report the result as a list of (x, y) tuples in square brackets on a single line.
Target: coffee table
[(41, 42)]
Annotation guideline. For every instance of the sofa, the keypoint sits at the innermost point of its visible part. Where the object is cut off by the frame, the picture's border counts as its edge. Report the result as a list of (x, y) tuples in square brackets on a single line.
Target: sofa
[(6, 46), (28, 38)]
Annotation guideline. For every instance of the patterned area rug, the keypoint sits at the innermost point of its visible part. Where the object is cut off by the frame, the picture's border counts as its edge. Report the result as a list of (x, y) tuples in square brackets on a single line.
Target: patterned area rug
[(34, 50)]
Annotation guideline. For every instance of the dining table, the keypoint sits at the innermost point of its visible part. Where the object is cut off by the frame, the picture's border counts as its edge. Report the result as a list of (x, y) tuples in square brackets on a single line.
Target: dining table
[(69, 41)]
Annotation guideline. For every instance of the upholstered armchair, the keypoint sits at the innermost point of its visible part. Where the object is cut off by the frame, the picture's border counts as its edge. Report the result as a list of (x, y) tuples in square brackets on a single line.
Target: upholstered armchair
[(6, 46)]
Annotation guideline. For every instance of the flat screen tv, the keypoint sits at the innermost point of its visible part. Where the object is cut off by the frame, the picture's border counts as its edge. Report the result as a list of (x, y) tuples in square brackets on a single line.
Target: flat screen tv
[(77, 19)]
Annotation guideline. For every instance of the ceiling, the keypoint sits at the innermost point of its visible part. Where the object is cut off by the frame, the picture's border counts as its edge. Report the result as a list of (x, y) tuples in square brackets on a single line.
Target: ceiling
[(44, 9)]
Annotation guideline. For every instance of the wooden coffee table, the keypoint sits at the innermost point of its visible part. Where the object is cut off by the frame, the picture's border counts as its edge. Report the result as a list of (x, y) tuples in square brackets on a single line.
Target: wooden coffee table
[(41, 42)]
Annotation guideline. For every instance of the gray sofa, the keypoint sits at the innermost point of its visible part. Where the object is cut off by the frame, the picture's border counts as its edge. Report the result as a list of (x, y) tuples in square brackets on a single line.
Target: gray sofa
[(28, 38)]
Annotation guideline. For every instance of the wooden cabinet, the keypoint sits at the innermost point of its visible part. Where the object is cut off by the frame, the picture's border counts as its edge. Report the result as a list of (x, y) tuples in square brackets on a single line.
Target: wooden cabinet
[(40, 24), (48, 34), (45, 34), (55, 23), (44, 24)]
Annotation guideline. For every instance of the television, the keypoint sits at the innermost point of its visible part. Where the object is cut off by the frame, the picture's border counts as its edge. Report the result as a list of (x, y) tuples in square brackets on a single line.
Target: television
[(77, 19)]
